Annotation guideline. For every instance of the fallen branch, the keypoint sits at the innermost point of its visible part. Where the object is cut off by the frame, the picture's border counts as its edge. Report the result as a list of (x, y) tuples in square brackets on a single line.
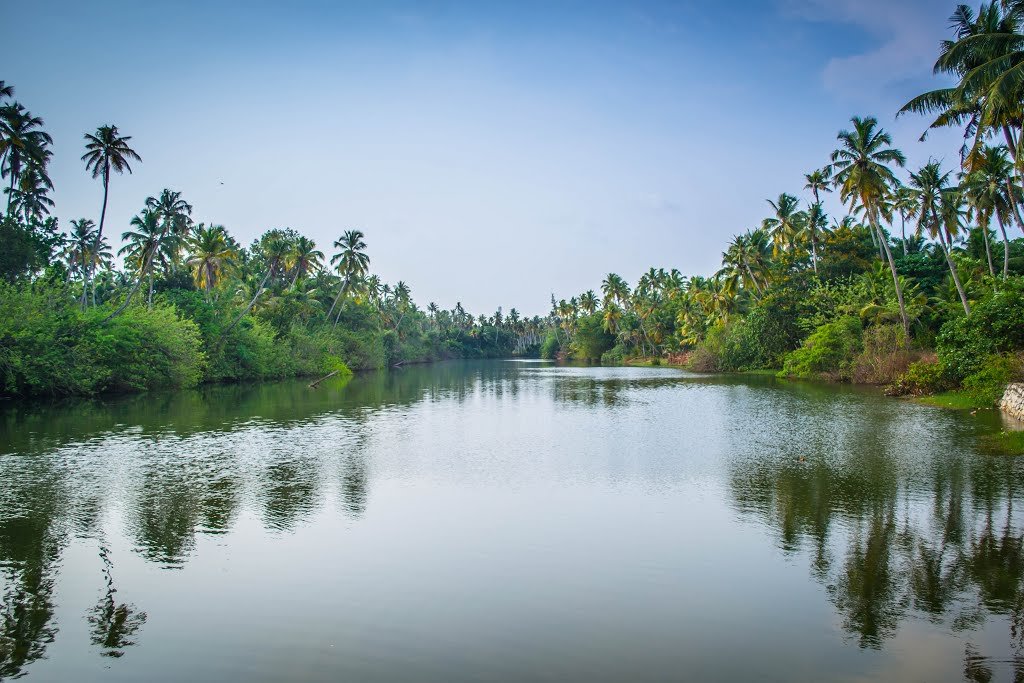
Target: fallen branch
[(316, 383)]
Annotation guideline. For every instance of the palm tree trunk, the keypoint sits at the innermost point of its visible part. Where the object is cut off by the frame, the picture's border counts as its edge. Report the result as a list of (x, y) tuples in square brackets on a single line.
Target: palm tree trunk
[(341, 288), (903, 231), (1006, 246), (138, 283), (814, 250), (251, 304), (149, 300), (85, 284), (983, 225), (954, 273), (895, 276), (103, 211), (753, 279)]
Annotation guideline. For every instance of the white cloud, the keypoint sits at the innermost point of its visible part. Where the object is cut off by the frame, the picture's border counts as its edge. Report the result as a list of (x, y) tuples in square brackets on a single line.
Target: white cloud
[(903, 43)]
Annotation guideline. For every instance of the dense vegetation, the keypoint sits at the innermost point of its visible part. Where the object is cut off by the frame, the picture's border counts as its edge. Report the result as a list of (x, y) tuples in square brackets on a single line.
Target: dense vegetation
[(920, 287), (191, 304)]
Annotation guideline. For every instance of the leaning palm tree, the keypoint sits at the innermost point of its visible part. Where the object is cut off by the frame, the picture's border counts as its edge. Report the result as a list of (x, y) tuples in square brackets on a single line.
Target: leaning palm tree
[(351, 263), (940, 214), (275, 248), (107, 150), (588, 302), (210, 254), (141, 247), (31, 195), (863, 174), (615, 289), (991, 192), (304, 258)]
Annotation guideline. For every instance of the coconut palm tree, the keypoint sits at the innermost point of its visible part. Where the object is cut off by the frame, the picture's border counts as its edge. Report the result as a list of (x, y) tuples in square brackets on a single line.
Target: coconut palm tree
[(904, 203), (862, 166), (304, 258), (784, 224), (107, 150), (351, 262), (940, 214), (991, 192), (31, 195), (81, 242), (141, 247), (615, 289), (588, 302), (210, 254), (23, 143)]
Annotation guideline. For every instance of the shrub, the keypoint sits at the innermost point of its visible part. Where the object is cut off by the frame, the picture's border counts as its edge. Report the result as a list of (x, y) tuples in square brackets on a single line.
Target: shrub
[(551, 345), (987, 384), (591, 340), (728, 347), (828, 352), (886, 355), (926, 376), (615, 355)]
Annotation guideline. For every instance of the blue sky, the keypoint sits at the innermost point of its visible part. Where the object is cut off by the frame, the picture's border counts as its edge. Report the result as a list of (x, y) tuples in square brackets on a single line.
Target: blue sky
[(493, 153)]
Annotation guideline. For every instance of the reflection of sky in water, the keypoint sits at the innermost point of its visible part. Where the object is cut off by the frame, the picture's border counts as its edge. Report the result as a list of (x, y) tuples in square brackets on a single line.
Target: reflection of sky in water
[(506, 520)]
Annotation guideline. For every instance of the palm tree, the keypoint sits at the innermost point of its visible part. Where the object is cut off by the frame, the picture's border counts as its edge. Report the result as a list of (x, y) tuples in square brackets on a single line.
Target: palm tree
[(819, 181), (905, 204), (615, 289), (30, 196), (990, 191), (863, 175), (588, 302), (351, 262), (304, 258), (783, 225), (22, 143), (81, 242), (275, 248), (211, 253), (107, 150), (939, 214), (141, 246)]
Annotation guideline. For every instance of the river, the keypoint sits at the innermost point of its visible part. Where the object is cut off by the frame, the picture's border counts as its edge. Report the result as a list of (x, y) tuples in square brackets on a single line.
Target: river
[(508, 521)]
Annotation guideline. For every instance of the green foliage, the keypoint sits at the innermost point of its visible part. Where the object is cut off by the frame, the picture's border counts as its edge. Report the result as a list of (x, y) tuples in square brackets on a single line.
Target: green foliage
[(591, 340), (728, 347), (47, 346), (996, 325), (987, 384), (922, 377), (828, 352), (551, 345), (774, 326)]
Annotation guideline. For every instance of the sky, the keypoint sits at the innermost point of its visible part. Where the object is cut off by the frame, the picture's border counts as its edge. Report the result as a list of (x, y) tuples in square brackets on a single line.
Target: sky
[(493, 153)]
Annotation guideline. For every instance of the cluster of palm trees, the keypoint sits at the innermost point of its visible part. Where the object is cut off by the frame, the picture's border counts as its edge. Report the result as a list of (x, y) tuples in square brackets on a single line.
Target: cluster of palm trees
[(24, 159)]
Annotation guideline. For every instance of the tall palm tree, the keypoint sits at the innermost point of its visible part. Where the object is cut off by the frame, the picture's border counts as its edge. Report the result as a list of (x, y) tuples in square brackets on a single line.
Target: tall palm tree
[(275, 248), (351, 262), (31, 194), (862, 165), (783, 225), (588, 302), (107, 150), (23, 142), (615, 289), (140, 249), (905, 204), (991, 192), (939, 214), (304, 258), (81, 242), (211, 253)]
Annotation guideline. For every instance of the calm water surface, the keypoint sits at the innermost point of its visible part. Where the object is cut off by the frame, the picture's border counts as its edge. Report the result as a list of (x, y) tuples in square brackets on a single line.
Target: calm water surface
[(508, 521)]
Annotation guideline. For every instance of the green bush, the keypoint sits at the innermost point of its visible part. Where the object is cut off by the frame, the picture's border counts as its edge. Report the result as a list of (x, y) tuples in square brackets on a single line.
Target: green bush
[(591, 340), (922, 377), (551, 346), (995, 326), (728, 347), (614, 355), (828, 352), (987, 384)]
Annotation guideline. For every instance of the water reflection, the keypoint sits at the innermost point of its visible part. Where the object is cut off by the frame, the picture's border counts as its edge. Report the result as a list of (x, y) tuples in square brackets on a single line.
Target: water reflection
[(885, 506)]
